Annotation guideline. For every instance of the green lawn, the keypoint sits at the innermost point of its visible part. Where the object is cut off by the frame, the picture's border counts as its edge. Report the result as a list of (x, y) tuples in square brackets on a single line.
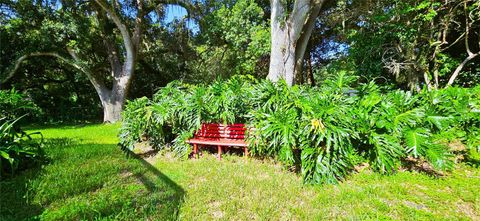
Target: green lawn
[(89, 177)]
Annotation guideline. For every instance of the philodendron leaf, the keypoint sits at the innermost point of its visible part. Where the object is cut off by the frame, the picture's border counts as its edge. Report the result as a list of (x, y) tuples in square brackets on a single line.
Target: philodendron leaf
[(415, 139)]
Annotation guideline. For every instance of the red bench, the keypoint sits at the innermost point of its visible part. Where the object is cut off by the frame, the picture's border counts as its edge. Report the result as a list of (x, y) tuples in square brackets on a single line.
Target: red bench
[(220, 135)]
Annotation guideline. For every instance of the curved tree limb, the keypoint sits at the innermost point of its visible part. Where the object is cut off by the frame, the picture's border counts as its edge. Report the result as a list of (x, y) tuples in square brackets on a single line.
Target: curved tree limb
[(187, 5), (19, 61), (460, 67)]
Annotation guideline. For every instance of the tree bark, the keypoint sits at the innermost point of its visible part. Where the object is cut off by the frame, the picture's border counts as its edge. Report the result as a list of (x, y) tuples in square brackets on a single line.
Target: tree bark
[(310, 77), (289, 38), (122, 73), (278, 47)]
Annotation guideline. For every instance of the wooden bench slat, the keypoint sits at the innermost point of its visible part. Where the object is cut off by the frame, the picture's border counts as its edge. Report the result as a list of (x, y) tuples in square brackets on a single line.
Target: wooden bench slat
[(203, 133), (221, 142), (223, 125), (241, 137), (224, 128)]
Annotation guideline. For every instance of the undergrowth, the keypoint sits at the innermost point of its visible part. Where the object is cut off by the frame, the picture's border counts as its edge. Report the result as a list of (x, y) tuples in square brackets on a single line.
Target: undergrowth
[(325, 130)]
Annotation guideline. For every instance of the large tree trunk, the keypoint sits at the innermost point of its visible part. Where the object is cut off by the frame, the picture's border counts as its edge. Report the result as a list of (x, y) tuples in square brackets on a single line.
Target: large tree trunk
[(122, 74), (277, 32), (112, 110), (113, 101), (289, 38)]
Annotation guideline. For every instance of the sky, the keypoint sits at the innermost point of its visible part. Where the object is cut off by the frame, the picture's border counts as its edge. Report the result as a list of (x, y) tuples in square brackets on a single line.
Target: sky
[(176, 12)]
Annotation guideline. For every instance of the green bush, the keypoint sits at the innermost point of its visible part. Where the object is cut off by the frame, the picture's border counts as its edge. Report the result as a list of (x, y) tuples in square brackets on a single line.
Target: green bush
[(18, 150), (14, 105), (323, 131)]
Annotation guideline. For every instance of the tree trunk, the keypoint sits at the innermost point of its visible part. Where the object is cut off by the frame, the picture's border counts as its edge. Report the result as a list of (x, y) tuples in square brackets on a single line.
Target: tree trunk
[(276, 70), (112, 110), (310, 78), (289, 38), (122, 74), (113, 100)]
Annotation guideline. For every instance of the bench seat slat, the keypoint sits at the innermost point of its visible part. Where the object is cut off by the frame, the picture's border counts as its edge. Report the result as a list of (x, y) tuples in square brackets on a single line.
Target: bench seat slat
[(222, 136), (223, 125), (224, 128), (216, 141), (204, 133)]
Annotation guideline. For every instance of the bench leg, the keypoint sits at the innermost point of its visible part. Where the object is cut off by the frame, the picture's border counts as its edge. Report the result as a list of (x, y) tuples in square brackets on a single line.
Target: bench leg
[(219, 152), (245, 150), (195, 151)]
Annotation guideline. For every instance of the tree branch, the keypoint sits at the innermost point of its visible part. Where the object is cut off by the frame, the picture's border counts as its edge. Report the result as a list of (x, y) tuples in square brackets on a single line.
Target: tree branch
[(182, 3), (127, 40), (97, 82), (305, 36), (467, 29), (460, 67), (37, 54), (298, 18), (138, 25)]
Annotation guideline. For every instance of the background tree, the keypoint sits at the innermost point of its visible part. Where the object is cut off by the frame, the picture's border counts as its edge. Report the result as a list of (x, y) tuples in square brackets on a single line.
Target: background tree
[(78, 26), (233, 39), (420, 43)]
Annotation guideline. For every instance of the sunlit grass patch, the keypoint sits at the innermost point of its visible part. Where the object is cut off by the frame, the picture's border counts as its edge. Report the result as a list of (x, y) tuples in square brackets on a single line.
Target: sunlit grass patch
[(240, 189)]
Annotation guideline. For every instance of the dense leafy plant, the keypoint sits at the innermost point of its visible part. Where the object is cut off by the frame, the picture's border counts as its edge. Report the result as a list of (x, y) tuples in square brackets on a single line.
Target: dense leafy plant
[(322, 131), (14, 105), (177, 110), (18, 149)]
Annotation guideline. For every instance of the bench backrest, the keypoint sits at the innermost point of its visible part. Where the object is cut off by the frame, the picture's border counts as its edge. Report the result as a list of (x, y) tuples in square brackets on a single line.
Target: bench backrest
[(226, 131)]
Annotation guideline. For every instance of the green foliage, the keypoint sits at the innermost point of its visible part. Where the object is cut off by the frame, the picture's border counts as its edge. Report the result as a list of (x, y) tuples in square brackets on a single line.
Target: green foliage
[(235, 39), (14, 105), (411, 43), (322, 131), (17, 149)]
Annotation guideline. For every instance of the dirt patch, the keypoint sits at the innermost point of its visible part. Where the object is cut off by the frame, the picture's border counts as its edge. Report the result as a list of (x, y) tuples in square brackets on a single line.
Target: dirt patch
[(415, 205), (126, 174), (468, 210), (361, 167), (457, 146), (420, 165), (215, 207)]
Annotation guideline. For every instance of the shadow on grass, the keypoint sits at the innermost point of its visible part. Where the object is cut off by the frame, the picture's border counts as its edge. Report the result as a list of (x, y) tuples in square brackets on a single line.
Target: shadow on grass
[(98, 186), (14, 204), (474, 162), (179, 193)]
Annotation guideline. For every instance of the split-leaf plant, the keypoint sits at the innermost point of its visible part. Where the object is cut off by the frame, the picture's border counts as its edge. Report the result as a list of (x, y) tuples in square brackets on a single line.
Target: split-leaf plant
[(322, 131)]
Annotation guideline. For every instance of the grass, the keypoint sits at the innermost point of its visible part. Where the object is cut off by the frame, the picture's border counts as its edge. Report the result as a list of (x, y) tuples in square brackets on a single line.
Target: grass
[(89, 177)]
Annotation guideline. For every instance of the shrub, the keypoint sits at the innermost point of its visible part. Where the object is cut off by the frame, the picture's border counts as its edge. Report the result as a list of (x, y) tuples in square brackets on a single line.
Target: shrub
[(323, 131), (14, 105), (18, 150)]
